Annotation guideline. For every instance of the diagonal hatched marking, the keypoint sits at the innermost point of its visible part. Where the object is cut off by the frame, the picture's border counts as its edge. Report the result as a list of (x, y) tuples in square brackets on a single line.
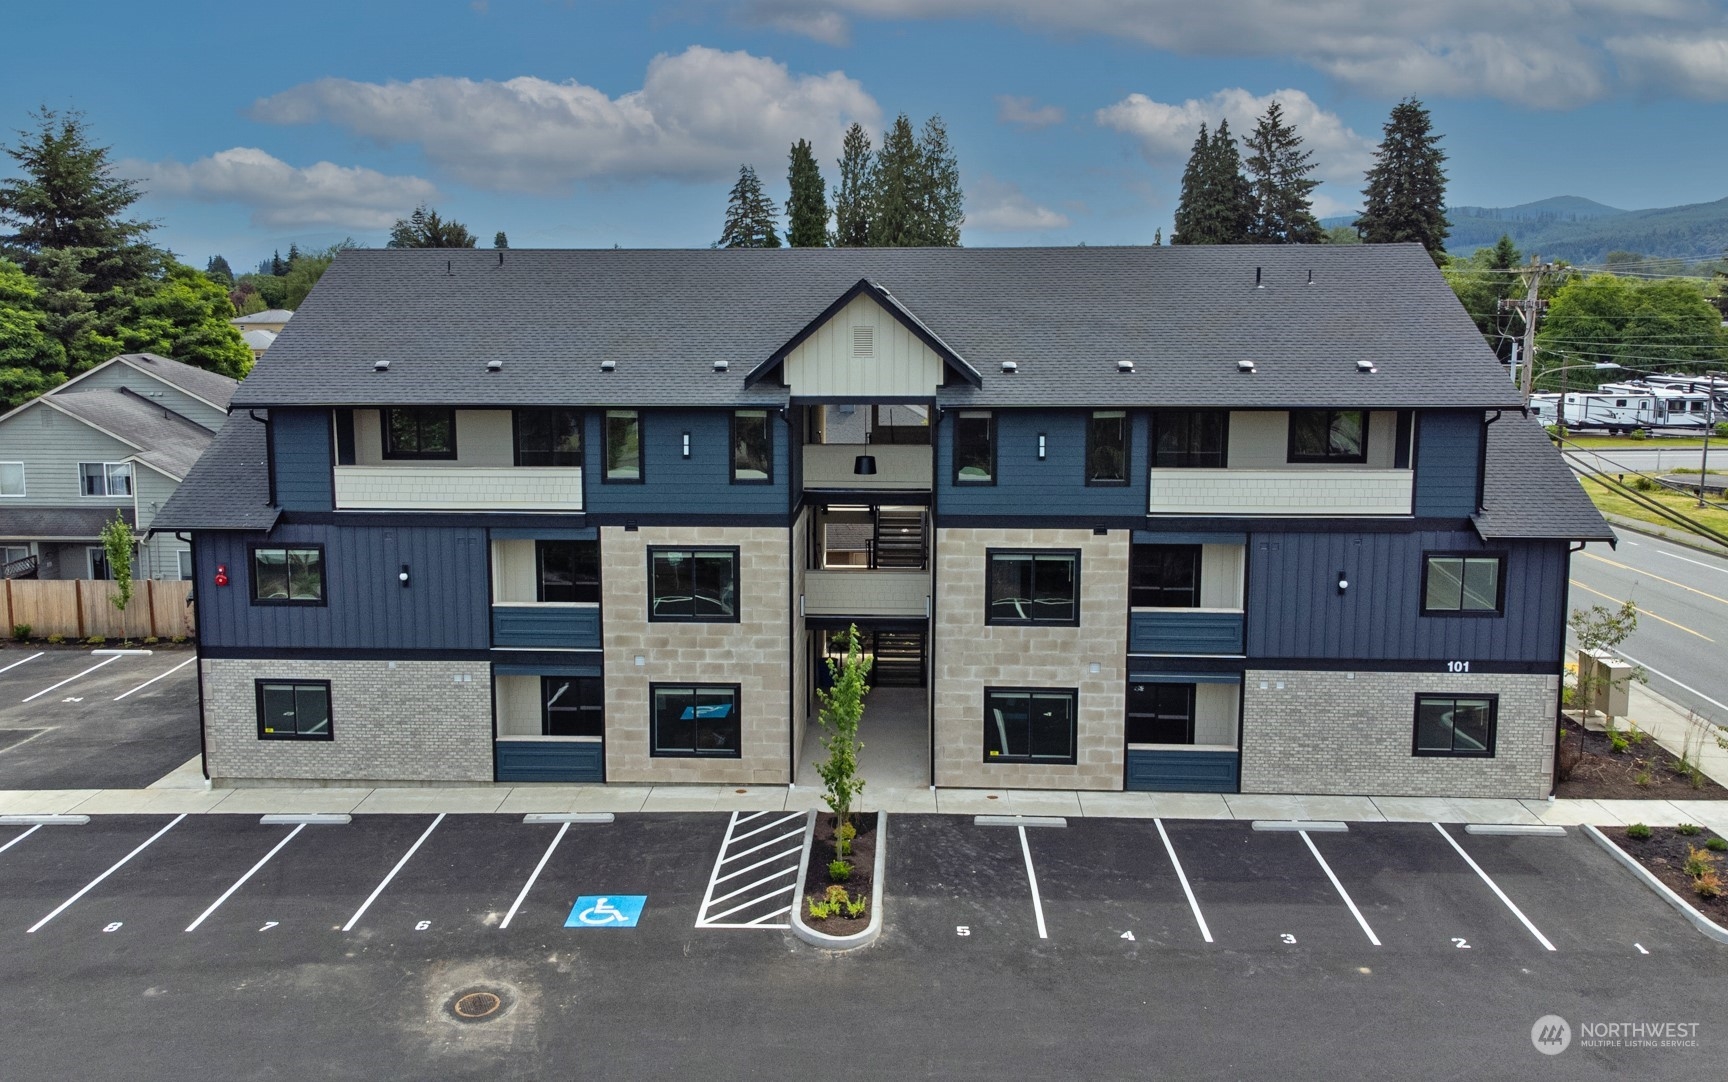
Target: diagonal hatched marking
[(771, 867)]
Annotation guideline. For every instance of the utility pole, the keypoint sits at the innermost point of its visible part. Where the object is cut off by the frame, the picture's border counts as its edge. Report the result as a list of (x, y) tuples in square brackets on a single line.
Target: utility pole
[(1530, 308)]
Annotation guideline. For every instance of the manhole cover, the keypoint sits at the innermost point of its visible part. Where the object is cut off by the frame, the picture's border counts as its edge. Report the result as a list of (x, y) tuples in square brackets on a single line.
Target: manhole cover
[(477, 1005)]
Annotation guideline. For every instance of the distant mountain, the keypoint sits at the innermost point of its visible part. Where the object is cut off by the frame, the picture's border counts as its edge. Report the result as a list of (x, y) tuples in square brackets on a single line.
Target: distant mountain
[(1580, 230)]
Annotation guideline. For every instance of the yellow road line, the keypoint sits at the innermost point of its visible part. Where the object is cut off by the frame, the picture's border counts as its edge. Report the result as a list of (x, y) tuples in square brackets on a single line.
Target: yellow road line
[(1658, 578), (1641, 611)]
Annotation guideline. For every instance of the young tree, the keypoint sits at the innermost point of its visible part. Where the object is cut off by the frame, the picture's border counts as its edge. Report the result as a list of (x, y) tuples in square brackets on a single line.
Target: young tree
[(853, 200), (117, 543), (807, 201), (939, 185), (500, 241), (219, 271), (1405, 199), (425, 229), (896, 186), (841, 709), (1278, 171), (750, 215), (1216, 205)]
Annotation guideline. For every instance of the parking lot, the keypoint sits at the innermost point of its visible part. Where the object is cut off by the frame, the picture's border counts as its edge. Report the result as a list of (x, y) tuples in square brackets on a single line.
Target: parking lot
[(72, 718)]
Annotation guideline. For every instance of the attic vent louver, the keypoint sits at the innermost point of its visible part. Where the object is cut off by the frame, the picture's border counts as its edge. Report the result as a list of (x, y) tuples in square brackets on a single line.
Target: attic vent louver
[(1244, 366), (380, 366), (1124, 366), (1366, 366), (608, 365), (1010, 366), (863, 340), (494, 366), (721, 365)]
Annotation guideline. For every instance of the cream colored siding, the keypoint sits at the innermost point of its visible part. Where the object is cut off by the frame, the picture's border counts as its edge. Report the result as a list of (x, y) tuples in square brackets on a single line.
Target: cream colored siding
[(1260, 440), (1221, 576), (483, 438), (1215, 709), (518, 705), (899, 364), (1305, 492), (513, 572), (867, 593), (442, 487)]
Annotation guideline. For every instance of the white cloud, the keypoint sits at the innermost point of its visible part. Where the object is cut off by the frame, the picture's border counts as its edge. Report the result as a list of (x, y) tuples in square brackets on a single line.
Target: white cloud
[(1166, 131), (284, 196), (996, 206), (1695, 67), (698, 115), (1024, 113)]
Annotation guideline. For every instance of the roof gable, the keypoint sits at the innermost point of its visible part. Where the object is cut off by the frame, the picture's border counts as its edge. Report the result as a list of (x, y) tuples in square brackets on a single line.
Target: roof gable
[(878, 299)]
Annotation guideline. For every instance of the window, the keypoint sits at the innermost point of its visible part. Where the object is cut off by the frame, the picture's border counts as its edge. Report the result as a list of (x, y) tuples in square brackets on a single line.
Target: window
[(974, 448), (97, 558), (752, 448), (623, 447), (106, 478), (572, 706), (1107, 448), (420, 432), (1190, 439), (288, 576), (693, 584), (1328, 436), (1160, 713), (569, 571), (11, 554), (1454, 583), (296, 711), (548, 437), (184, 557), (1164, 577), (1032, 588), (1027, 726), (1460, 725), (696, 721), (11, 478)]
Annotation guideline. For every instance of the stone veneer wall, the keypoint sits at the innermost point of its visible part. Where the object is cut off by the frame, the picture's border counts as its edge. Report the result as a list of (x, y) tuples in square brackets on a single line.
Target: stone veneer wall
[(752, 653), (396, 721), (971, 656), (1344, 733)]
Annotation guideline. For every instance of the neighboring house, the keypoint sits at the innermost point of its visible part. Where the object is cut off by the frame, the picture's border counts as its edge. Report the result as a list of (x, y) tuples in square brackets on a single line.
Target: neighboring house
[(259, 342), (271, 320), (1258, 519), (116, 439)]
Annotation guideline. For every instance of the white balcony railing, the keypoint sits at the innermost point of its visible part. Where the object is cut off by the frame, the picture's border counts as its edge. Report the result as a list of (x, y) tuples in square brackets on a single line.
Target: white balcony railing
[(459, 488), (867, 593), (899, 467), (1295, 493)]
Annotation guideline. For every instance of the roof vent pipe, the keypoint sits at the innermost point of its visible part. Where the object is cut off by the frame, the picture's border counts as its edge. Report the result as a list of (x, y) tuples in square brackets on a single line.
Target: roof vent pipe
[(1310, 276), (447, 271), (1257, 284)]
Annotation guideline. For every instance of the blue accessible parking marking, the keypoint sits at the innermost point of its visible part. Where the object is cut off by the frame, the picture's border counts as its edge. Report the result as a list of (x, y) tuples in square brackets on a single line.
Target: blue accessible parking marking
[(611, 911)]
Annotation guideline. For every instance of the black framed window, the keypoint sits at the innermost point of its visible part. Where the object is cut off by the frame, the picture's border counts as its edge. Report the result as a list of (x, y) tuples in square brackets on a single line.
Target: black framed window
[(104, 478), (1164, 577), (1160, 713), (1190, 439), (288, 575), (1328, 436), (1459, 725), (974, 447), (548, 437), (695, 721), (693, 584), (1454, 583), (572, 706), (294, 710), (420, 432), (1030, 725), (568, 571), (752, 448), (1032, 587), (623, 447), (1107, 448)]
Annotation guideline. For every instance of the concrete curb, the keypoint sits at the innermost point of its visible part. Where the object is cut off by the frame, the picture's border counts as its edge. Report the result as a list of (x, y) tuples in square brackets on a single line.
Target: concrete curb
[(1704, 924), (842, 944), (1670, 534)]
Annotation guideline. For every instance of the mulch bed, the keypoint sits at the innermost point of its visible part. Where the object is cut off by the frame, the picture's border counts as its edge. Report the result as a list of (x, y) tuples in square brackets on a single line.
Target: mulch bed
[(859, 885), (1664, 854), (1603, 773)]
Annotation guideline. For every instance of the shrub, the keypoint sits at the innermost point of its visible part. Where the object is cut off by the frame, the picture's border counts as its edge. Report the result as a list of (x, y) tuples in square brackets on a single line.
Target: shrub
[(151, 640), (1722, 430), (56, 640), (843, 839), (177, 639), (1640, 434), (818, 909), (20, 631), (839, 870), (1708, 885), (96, 640), (1716, 845), (1698, 861), (1638, 831), (855, 907), (1644, 484), (836, 895), (1617, 740), (1688, 829), (1642, 778)]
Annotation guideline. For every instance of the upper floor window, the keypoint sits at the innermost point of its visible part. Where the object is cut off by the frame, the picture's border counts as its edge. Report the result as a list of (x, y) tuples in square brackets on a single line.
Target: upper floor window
[(1328, 436), (1164, 577), (623, 446), (1455, 725), (974, 447), (1190, 438), (1454, 583), (105, 478), (569, 571), (1032, 588), (11, 478), (548, 437), (693, 584), (752, 447), (1107, 448), (283, 576), (420, 432)]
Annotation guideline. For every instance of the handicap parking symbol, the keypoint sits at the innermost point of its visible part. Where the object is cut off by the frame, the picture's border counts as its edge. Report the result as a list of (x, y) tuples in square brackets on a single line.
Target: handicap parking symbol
[(610, 911)]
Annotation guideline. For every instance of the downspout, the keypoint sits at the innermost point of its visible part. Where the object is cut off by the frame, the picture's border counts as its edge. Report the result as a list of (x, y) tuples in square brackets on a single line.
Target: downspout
[(1559, 704), (269, 456), (198, 621), (930, 623), (792, 495), (1482, 462)]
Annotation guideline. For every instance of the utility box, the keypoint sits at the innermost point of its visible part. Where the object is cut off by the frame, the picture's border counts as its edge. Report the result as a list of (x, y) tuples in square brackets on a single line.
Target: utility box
[(1604, 683)]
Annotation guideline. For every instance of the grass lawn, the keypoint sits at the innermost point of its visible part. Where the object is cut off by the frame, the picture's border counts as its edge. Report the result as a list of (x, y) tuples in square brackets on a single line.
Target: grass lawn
[(1663, 443), (1614, 502)]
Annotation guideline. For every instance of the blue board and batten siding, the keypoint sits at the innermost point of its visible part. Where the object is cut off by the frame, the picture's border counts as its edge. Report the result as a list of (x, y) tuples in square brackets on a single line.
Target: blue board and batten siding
[(301, 444), (546, 760), (1182, 771), (1029, 488), (1448, 464), (700, 485), (547, 628), (1178, 632)]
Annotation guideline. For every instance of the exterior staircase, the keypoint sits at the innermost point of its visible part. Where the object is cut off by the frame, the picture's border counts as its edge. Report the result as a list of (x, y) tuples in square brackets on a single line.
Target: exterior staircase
[(899, 660), (899, 541)]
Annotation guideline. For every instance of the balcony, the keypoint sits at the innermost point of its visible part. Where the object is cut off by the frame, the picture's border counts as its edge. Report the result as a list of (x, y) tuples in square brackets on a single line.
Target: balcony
[(458, 488), (899, 467), (1288, 493), (1185, 631), (889, 594), (546, 626)]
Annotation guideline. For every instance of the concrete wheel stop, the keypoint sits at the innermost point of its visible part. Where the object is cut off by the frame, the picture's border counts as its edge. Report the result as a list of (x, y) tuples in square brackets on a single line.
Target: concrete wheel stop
[(842, 944)]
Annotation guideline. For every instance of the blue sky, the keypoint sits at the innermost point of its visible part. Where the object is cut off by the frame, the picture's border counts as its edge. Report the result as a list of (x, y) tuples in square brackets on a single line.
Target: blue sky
[(572, 124)]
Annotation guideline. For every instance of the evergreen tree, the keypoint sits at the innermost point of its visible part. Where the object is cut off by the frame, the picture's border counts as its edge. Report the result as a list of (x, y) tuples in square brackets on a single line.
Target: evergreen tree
[(1191, 197), (277, 267), (1405, 199), (1505, 254), (750, 215), (807, 203), (293, 257), (1278, 170), (1216, 205), (500, 241), (897, 186), (425, 229), (219, 271), (853, 199), (939, 186)]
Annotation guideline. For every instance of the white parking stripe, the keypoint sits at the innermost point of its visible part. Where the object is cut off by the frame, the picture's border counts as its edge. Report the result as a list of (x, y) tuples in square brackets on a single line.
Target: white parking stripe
[(752, 886), (21, 661), (790, 887), (69, 679), (799, 833), (379, 889), (796, 849), (90, 886), (538, 868), (1205, 932), (1498, 893), (153, 679), (760, 891), (238, 883), (1032, 881), (1339, 887), (20, 837), (770, 826)]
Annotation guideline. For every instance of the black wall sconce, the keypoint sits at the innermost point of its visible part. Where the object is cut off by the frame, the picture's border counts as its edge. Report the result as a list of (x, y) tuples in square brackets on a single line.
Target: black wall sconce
[(1043, 446), (1343, 582), (402, 576), (864, 465)]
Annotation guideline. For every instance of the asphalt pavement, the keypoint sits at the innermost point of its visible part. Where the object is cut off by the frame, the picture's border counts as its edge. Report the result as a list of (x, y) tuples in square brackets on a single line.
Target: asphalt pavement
[(1651, 460)]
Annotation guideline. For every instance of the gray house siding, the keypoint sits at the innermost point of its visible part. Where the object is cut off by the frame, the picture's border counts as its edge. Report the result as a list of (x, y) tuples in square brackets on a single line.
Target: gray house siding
[(51, 444), (1030, 488), (115, 376), (1448, 463), (301, 440), (675, 485), (159, 557)]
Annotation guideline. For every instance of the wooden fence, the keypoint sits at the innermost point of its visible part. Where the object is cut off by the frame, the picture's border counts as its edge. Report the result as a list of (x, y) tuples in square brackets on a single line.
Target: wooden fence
[(80, 608)]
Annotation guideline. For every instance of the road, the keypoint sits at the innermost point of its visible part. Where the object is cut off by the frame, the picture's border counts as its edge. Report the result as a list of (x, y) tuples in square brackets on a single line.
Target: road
[(1682, 596), (1648, 460)]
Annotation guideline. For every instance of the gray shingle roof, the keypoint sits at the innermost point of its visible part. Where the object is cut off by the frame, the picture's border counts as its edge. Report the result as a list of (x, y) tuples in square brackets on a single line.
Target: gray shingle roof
[(1530, 492), (212, 387), (1184, 315), (228, 488), (164, 439), (269, 315), (58, 523)]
